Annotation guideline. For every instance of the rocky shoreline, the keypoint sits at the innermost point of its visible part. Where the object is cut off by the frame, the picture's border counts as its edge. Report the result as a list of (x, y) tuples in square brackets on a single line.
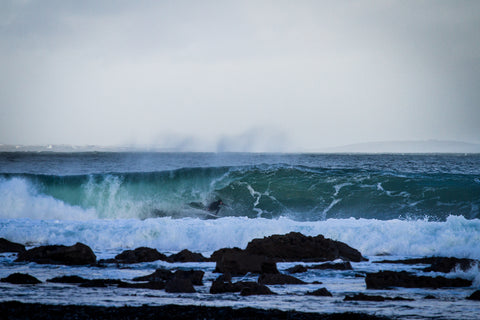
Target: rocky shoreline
[(260, 257), (14, 310)]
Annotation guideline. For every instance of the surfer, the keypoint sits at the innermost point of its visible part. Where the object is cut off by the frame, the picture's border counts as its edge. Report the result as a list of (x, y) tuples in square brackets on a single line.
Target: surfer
[(215, 206)]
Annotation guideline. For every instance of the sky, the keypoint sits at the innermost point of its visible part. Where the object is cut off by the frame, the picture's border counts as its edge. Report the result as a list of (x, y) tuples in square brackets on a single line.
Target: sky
[(238, 75)]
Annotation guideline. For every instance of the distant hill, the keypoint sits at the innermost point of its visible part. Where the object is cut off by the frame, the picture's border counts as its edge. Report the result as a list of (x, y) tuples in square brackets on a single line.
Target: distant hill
[(429, 146)]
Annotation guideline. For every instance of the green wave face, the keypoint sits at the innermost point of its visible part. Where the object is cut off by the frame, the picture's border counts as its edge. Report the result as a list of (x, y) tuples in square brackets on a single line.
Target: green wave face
[(300, 193)]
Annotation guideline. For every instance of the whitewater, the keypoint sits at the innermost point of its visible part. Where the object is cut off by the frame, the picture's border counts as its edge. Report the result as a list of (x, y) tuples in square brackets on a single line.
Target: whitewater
[(397, 206)]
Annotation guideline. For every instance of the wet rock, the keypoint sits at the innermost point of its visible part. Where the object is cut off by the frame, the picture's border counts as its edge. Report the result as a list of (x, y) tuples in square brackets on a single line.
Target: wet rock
[(475, 296), (253, 288), (388, 279), (100, 283), (20, 278), (179, 285), (158, 276), (223, 285), (153, 285), (195, 276), (297, 269), (78, 254), (218, 255), (438, 264), (295, 246), (141, 254), (239, 262), (18, 310), (186, 256), (332, 266), (322, 292), (68, 279), (8, 246), (364, 297), (272, 279)]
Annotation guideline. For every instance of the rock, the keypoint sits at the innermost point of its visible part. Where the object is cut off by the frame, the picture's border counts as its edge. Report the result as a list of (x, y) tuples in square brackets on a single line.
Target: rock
[(179, 285), (68, 279), (141, 254), (78, 254), (218, 255), (20, 278), (268, 278), (100, 283), (253, 288), (186, 256), (154, 285), (158, 276), (195, 276), (222, 285), (297, 269), (322, 292), (475, 296), (332, 266), (8, 246), (438, 264), (295, 246), (239, 262), (363, 297), (388, 279)]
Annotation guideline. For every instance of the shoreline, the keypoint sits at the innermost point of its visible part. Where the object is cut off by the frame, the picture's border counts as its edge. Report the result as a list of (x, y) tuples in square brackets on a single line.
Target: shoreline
[(17, 310)]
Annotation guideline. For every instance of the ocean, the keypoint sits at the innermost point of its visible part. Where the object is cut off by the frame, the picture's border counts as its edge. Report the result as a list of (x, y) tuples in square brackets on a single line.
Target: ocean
[(386, 206)]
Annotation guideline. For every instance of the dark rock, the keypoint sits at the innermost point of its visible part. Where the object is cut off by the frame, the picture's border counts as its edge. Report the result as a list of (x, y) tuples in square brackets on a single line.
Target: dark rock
[(223, 285), (437, 264), (322, 292), (364, 297), (239, 262), (179, 285), (100, 283), (18, 310), (268, 278), (78, 254), (141, 254), (253, 288), (186, 256), (332, 266), (475, 296), (388, 279), (8, 246), (158, 276), (154, 285), (68, 279), (195, 276), (295, 246), (20, 278), (218, 255), (297, 269)]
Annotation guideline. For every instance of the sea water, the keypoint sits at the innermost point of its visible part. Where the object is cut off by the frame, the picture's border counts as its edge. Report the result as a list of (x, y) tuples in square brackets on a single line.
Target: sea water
[(386, 206)]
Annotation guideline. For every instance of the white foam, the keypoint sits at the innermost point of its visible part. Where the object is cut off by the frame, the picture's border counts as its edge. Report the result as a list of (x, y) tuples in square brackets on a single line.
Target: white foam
[(20, 199), (456, 237)]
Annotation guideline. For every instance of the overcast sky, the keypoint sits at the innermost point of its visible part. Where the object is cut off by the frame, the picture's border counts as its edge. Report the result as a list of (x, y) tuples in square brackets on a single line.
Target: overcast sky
[(244, 75)]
